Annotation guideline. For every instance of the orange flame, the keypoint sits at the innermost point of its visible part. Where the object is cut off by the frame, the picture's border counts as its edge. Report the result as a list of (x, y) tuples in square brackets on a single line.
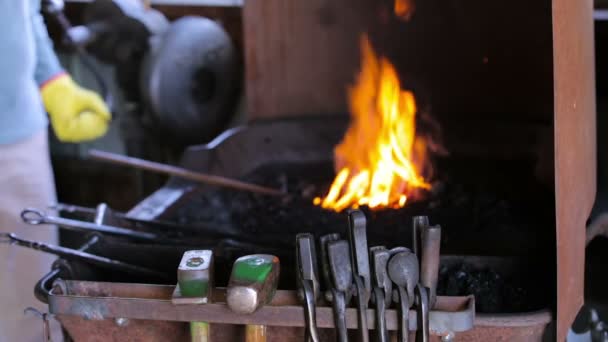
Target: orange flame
[(404, 9), (380, 157)]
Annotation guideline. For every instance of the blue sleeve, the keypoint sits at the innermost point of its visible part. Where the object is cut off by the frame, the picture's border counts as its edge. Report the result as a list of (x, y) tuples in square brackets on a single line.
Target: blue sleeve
[(47, 64)]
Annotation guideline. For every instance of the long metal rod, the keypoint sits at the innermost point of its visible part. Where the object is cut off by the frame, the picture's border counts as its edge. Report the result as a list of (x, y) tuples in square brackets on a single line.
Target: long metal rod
[(339, 306), (423, 330), (73, 254), (215, 230), (36, 217), (182, 173), (43, 286), (381, 331)]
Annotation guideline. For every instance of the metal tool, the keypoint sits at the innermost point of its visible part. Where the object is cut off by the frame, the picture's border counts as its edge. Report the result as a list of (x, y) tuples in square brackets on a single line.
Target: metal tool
[(73, 254), (46, 326), (422, 298), (60, 268), (325, 269), (403, 270), (382, 288), (183, 173), (102, 208), (253, 283), (169, 230), (37, 217), (429, 264), (308, 281), (194, 286), (393, 251), (360, 263), (341, 276), (418, 224)]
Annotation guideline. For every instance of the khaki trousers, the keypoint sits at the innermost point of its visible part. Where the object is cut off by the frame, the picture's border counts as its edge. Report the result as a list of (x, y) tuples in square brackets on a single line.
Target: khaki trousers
[(26, 180)]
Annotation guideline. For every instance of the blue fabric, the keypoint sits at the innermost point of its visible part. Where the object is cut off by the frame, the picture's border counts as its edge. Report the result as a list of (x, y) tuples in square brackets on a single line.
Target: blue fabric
[(27, 61)]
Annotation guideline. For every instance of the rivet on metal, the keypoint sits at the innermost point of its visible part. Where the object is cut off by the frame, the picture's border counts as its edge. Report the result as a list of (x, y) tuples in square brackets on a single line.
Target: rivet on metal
[(195, 262), (121, 321), (449, 337)]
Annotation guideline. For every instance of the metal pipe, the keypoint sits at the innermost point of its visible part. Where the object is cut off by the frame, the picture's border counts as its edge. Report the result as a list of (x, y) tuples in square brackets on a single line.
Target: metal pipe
[(182, 173)]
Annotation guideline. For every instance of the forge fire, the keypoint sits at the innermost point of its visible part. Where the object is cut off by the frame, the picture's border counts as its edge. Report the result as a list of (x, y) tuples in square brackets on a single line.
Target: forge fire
[(381, 161)]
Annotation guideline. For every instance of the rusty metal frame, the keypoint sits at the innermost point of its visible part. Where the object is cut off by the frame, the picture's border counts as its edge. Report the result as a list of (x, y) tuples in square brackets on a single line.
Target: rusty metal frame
[(99, 300)]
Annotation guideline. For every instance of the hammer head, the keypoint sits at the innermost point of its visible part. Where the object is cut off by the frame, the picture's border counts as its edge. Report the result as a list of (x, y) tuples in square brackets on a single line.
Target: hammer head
[(253, 282), (195, 275)]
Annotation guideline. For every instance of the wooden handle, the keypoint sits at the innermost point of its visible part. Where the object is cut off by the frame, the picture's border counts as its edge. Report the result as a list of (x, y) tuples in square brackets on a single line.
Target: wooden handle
[(255, 333), (199, 332), (182, 173)]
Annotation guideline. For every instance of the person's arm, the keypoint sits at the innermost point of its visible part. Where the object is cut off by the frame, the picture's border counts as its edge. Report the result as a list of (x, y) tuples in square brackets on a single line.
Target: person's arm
[(76, 114), (47, 64)]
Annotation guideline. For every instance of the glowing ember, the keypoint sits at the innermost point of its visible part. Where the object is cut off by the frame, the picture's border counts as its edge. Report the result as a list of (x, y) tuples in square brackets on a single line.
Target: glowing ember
[(380, 159), (404, 9)]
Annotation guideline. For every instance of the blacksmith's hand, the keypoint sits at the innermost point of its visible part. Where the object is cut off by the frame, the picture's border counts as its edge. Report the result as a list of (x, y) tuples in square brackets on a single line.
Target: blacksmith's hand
[(76, 114)]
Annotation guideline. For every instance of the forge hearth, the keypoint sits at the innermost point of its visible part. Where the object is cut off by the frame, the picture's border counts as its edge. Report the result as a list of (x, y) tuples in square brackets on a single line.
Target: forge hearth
[(497, 239), (477, 219)]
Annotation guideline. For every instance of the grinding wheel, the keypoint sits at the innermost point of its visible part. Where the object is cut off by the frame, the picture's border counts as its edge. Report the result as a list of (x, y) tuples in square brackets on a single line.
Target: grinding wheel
[(189, 80)]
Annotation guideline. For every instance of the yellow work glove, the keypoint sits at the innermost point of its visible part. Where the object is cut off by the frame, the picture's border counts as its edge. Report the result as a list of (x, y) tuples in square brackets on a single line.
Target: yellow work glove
[(76, 114)]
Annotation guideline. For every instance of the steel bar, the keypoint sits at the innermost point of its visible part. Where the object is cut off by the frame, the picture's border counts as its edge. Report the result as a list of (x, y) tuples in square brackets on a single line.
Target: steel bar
[(404, 304), (340, 272), (215, 230), (382, 288), (429, 262), (423, 332), (141, 301), (357, 235), (381, 331), (92, 212), (182, 173), (73, 254), (36, 217), (308, 282)]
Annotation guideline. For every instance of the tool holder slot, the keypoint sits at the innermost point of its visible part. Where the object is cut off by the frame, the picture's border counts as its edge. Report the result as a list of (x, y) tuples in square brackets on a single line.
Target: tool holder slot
[(99, 300)]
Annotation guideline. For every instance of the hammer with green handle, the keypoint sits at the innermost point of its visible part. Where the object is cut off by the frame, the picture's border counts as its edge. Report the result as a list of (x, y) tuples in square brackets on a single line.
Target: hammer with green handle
[(194, 286), (253, 283)]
